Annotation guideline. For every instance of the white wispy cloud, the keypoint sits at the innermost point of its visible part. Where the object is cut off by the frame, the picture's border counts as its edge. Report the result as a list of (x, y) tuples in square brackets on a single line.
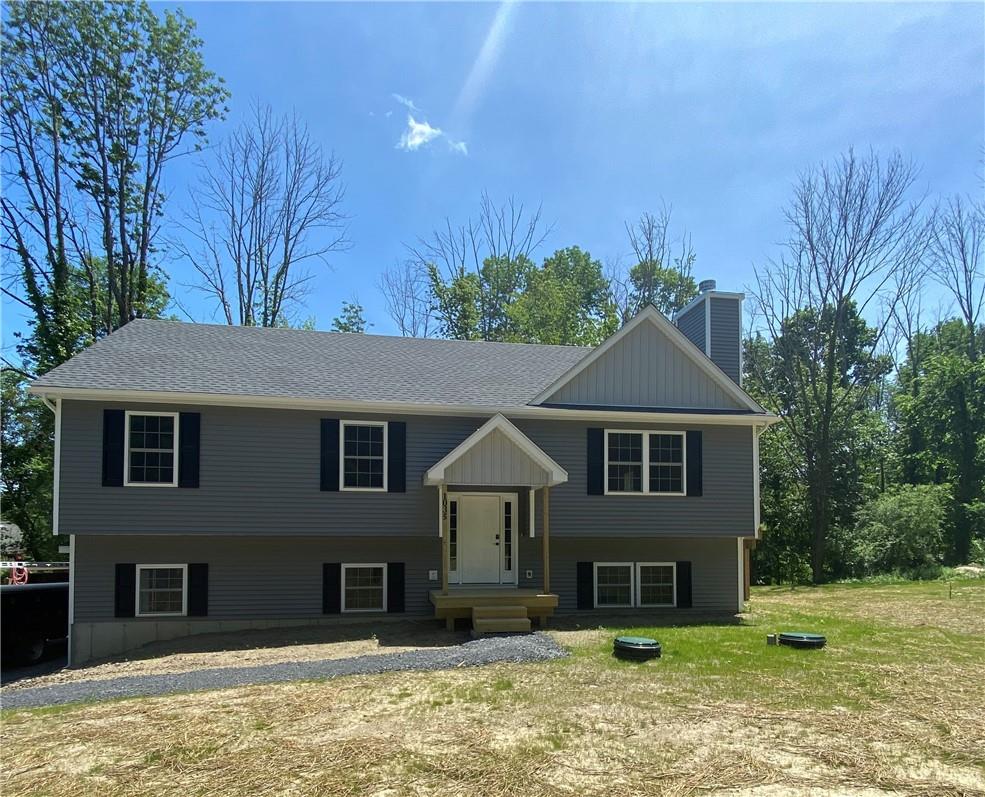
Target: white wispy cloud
[(407, 103), (420, 132), (417, 134)]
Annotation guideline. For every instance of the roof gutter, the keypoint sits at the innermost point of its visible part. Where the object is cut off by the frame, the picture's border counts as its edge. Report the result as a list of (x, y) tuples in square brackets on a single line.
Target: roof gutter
[(401, 407)]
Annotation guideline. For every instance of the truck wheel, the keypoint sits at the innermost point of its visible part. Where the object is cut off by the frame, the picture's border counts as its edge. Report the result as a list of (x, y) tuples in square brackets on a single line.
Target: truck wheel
[(30, 651)]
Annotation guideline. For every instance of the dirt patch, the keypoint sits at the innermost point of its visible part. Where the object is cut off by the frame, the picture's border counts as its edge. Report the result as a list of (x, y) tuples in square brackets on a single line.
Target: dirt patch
[(251, 648)]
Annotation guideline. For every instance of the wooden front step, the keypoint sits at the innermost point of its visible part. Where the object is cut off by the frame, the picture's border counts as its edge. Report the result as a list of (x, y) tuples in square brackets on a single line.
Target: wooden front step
[(501, 625), (499, 619), (487, 612)]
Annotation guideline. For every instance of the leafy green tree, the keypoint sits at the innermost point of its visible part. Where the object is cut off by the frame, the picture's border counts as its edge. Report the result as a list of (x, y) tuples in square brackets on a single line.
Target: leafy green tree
[(98, 99), (457, 303), (791, 455), (855, 241), (662, 273), (901, 531), (939, 400), (27, 445), (567, 301), (351, 318)]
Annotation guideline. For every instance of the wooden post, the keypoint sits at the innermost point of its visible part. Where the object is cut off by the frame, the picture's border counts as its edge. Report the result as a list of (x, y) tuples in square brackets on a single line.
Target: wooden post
[(445, 540), (546, 540)]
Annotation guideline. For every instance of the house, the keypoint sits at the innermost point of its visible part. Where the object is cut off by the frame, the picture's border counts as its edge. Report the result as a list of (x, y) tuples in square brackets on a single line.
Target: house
[(220, 478)]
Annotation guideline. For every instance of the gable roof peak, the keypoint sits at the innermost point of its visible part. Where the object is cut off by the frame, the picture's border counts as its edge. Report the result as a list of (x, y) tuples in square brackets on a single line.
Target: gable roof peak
[(650, 314)]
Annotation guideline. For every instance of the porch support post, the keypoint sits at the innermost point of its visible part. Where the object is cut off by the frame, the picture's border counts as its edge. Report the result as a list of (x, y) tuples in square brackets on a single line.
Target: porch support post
[(545, 538), (445, 540)]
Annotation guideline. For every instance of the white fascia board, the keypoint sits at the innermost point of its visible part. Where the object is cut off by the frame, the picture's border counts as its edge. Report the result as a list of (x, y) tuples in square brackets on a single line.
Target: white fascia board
[(588, 413), (651, 315), (557, 474)]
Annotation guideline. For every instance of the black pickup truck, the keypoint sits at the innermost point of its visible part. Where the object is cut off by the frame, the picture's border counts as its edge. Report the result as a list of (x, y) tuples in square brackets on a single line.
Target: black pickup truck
[(31, 615)]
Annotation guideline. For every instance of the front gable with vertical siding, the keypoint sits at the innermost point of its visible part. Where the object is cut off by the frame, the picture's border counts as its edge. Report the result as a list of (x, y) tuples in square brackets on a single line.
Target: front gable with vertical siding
[(648, 364)]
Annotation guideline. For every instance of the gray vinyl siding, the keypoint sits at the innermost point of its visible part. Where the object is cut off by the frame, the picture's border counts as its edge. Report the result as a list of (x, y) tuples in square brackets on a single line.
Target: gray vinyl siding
[(692, 324), (260, 477), (272, 578), (249, 577), (714, 567), (726, 335), (724, 509), (645, 369)]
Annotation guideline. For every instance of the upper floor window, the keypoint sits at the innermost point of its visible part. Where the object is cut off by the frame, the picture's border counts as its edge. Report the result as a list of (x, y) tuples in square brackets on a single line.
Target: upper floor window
[(363, 453), (151, 443), (645, 463)]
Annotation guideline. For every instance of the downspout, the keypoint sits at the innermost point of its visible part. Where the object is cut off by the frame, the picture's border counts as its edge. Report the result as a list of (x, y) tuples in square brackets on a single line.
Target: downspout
[(56, 408)]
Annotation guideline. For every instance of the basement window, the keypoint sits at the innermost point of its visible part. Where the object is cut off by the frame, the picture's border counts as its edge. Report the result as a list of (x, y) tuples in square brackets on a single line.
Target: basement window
[(613, 584), (363, 587), (162, 590), (656, 584)]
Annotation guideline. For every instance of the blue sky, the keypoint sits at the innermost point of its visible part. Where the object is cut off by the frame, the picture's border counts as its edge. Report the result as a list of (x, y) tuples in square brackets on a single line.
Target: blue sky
[(598, 112)]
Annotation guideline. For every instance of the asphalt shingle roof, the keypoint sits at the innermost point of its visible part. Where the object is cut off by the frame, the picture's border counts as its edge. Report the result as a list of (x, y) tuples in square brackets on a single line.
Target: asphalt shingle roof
[(170, 356)]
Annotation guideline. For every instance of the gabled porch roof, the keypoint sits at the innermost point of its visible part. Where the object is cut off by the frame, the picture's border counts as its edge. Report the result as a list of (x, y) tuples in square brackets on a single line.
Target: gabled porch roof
[(497, 454)]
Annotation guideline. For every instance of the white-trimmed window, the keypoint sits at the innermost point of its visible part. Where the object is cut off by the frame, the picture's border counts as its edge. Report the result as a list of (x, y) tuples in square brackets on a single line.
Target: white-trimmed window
[(362, 455), (162, 590), (613, 584), (151, 447), (364, 588), (656, 584), (645, 463)]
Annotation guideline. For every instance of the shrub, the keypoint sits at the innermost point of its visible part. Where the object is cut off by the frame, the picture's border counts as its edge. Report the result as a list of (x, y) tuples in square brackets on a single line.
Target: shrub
[(901, 532)]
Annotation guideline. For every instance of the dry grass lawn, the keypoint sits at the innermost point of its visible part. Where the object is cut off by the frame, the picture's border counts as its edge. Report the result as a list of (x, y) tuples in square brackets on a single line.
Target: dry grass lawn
[(894, 705)]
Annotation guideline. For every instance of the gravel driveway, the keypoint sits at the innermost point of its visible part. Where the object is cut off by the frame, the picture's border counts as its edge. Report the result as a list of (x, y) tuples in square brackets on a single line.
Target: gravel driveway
[(488, 650)]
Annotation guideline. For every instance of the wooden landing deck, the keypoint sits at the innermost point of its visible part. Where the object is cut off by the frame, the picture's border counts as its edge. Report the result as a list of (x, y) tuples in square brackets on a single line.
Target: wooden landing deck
[(460, 601)]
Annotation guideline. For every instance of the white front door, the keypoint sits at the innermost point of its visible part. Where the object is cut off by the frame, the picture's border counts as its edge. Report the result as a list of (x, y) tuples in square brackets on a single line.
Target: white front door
[(485, 538)]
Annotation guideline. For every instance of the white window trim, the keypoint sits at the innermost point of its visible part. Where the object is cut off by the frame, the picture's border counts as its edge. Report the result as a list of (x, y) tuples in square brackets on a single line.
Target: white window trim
[(348, 565), (646, 462), (126, 448), (386, 456), (184, 591), (639, 586), (595, 585)]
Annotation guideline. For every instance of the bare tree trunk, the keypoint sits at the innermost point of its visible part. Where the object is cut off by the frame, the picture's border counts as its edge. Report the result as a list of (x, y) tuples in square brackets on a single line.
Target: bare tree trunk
[(270, 203)]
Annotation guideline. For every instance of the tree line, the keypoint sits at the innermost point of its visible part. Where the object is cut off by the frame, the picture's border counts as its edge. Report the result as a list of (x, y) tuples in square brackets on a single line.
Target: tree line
[(878, 464)]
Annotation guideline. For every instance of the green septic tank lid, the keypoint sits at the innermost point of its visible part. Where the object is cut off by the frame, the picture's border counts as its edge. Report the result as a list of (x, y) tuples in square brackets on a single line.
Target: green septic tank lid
[(801, 635), (635, 640)]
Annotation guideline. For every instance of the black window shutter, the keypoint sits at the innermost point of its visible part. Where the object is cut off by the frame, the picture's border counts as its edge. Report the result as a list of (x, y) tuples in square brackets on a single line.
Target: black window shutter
[(331, 588), (683, 585), (695, 467), (396, 472), (126, 590), (395, 587), (596, 461), (113, 433), (330, 453), (189, 433), (198, 590), (586, 585)]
